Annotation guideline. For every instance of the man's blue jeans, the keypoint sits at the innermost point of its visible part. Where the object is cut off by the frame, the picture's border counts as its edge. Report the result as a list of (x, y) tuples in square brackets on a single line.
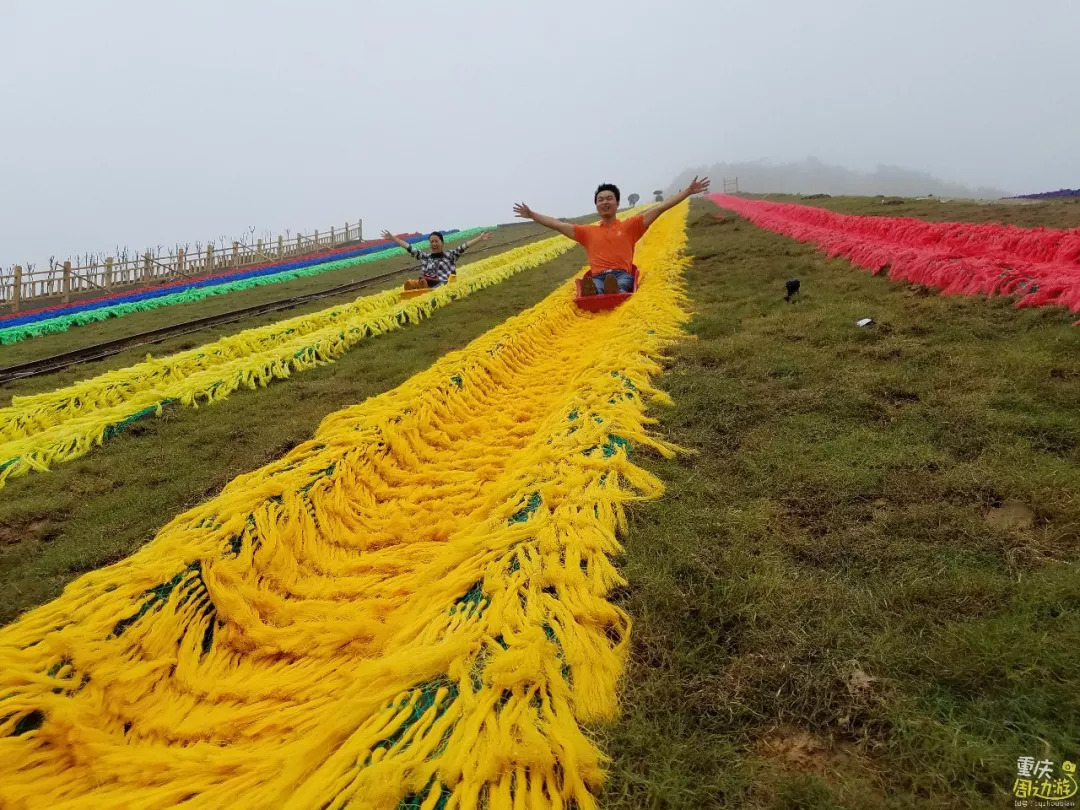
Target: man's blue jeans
[(626, 281)]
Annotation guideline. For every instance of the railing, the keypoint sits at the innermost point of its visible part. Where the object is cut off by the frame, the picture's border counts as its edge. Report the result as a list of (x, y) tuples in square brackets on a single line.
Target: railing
[(20, 286)]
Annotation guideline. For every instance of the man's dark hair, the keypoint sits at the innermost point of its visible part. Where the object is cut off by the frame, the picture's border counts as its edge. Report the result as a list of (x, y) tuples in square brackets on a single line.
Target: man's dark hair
[(614, 189)]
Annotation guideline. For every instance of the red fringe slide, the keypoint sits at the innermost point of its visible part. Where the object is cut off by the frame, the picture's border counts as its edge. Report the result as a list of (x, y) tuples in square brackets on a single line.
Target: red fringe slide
[(1041, 265)]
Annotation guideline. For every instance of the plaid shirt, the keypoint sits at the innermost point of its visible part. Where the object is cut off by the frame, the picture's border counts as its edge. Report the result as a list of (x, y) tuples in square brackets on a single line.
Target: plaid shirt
[(437, 267)]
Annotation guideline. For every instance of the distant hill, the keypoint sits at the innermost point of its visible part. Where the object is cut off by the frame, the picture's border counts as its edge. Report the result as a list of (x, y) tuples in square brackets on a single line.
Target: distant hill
[(811, 176)]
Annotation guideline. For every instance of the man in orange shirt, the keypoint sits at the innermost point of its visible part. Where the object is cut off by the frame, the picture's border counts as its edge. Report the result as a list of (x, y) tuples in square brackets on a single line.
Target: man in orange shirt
[(610, 243)]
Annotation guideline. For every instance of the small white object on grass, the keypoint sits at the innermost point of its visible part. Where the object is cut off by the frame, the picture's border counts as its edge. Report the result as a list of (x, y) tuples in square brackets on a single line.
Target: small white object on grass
[(864, 322)]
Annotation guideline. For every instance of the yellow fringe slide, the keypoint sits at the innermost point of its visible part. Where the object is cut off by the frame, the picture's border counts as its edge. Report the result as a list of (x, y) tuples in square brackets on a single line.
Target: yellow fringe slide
[(41, 430), (407, 612)]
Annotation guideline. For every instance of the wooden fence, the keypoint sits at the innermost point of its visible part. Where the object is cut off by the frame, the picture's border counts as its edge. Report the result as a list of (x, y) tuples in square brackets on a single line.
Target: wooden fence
[(19, 287)]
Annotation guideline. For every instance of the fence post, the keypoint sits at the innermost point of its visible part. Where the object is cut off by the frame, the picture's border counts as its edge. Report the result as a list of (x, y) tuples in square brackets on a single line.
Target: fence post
[(299, 244), (235, 254), (16, 288), (281, 247), (316, 239), (360, 230), (333, 240), (345, 237), (108, 273), (146, 268), (210, 258), (67, 282), (180, 261), (258, 251)]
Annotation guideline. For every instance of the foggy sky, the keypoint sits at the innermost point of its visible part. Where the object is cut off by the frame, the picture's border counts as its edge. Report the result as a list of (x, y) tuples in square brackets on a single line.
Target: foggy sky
[(139, 123)]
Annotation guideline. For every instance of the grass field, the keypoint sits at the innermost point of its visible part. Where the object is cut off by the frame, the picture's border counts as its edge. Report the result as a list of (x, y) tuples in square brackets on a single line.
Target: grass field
[(861, 590)]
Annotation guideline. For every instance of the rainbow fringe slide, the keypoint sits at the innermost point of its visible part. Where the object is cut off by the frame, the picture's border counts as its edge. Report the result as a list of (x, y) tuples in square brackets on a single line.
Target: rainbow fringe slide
[(204, 279), (41, 430), (408, 610), (54, 320)]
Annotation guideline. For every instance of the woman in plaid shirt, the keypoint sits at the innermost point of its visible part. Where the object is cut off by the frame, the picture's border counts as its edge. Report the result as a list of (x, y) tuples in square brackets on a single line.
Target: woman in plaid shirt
[(436, 266)]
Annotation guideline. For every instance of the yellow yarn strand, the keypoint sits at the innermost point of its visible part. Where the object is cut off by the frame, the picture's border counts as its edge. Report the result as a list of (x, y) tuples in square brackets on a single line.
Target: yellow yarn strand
[(407, 611), (41, 430)]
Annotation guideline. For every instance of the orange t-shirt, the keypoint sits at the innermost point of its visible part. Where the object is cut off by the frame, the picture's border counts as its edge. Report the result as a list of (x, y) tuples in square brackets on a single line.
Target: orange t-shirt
[(610, 247)]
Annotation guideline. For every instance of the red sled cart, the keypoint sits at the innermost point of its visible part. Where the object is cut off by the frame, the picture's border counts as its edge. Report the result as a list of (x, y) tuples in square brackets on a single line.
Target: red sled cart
[(598, 302)]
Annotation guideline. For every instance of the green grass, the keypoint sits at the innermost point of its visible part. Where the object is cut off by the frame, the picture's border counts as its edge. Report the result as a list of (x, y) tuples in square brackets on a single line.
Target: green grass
[(826, 613), (95, 510)]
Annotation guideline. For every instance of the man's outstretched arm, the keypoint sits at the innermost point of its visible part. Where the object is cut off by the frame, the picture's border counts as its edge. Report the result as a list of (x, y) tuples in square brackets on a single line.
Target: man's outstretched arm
[(523, 211), (696, 187)]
